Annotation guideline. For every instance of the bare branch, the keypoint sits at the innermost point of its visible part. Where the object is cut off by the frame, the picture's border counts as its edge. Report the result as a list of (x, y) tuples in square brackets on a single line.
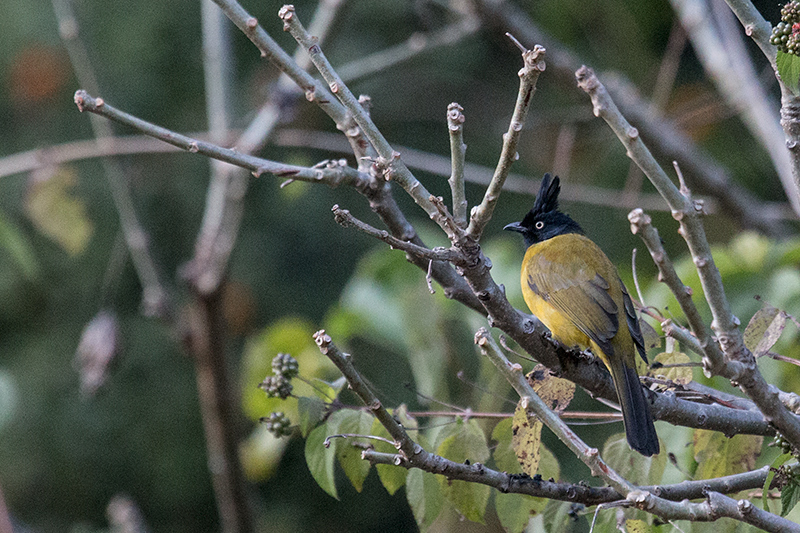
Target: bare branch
[(332, 176), (533, 65), (455, 122), (669, 140), (641, 225), (737, 81), (155, 295), (725, 325), (532, 402), (389, 162)]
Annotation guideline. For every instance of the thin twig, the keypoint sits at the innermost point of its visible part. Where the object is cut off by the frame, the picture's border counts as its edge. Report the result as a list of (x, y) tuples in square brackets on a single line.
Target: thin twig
[(155, 295), (346, 219), (332, 176), (416, 44), (455, 125), (533, 65), (389, 162)]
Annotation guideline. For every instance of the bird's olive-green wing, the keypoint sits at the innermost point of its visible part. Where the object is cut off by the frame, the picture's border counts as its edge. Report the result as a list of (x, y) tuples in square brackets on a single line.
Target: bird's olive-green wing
[(579, 292)]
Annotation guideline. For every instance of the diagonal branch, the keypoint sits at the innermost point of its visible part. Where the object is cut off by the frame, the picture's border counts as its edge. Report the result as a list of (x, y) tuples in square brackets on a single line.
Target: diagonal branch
[(155, 297), (738, 364)]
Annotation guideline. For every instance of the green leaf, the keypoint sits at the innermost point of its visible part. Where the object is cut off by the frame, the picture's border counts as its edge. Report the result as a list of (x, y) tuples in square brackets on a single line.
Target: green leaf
[(310, 411), (356, 422), (328, 390), (261, 453), (320, 460), (558, 518), (764, 330), (516, 510), (777, 463), (637, 526), (56, 211), (293, 336), (718, 455), (424, 497), (789, 496), (392, 477), (18, 249), (636, 468), (789, 70), (467, 443)]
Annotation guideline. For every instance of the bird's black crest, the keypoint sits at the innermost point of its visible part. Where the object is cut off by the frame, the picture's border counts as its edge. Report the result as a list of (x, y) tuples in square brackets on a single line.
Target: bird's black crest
[(545, 221), (547, 199)]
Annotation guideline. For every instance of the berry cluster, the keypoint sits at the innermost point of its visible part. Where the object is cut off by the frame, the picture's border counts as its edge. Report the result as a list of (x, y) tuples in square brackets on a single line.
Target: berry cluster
[(277, 424), (285, 365), (284, 368), (786, 34), (276, 387), (784, 445)]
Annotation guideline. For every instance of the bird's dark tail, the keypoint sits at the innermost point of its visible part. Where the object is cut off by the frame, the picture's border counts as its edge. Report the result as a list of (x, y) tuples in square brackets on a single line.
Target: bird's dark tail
[(636, 414)]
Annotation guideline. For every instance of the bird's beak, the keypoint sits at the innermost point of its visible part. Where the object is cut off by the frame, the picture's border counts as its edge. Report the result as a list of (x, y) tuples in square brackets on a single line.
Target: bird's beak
[(514, 226)]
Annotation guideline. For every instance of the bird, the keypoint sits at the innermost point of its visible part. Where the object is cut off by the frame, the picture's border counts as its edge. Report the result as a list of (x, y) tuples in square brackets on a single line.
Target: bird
[(574, 289)]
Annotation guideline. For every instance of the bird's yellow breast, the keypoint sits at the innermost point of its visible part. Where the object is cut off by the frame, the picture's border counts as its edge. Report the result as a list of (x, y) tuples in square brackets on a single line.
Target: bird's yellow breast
[(573, 288)]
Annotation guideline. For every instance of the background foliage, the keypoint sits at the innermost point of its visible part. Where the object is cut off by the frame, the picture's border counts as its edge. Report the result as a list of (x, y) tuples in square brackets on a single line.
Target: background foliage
[(62, 456)]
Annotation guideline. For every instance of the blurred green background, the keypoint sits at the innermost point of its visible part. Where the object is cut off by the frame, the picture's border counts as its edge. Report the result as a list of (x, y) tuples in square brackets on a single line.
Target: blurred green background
[(63, 455)]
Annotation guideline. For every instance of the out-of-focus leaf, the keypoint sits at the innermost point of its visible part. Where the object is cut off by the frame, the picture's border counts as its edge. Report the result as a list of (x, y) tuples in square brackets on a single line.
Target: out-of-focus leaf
[(261, 453), (633, 466), (680, 375), (750, 249), (56, 211), (287, 335), (384, 298), (559, 518), (467, 443), (12, 240), (97, 350), (515, 510), (424, 496), (554, 391), (351, 422), (392, 477), (310, 412), (789, 70), (320, 460), (527, 439), (718, 455)]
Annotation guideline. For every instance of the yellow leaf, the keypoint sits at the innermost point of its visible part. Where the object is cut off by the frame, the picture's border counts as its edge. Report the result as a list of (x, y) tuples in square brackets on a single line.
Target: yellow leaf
[(680, 375), (555, 392), (56, 211), (526, 439)]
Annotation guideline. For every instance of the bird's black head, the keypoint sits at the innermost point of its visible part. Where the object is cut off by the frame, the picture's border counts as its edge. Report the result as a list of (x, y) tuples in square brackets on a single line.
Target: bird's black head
[(545, 221)]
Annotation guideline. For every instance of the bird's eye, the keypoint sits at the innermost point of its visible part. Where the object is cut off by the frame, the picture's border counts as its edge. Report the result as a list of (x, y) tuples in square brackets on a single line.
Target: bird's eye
[(539, 225)]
